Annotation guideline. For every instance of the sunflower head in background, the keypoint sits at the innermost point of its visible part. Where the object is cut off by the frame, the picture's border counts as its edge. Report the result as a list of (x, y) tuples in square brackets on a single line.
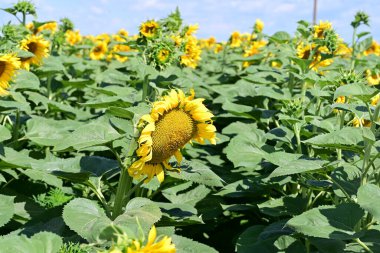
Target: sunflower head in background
[(9, 63), (36, 45), (99, 51), (174, 121), (149, 29)]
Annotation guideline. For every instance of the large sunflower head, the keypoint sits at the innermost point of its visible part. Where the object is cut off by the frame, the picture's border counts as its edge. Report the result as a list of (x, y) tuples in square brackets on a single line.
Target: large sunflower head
[(321, 28), (149, 29), (36, 45), (173, 121), (9, 63), (99, 51), (50, 26)]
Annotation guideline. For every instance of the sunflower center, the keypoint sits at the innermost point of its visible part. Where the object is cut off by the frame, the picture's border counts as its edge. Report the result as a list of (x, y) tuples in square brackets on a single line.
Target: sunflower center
[(149, 29), (2, 67), (32, 47), (173, 131)]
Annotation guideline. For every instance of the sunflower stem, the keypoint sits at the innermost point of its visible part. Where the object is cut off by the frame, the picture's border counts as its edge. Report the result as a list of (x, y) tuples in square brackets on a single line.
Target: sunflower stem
[(145, 88), (125, 181)]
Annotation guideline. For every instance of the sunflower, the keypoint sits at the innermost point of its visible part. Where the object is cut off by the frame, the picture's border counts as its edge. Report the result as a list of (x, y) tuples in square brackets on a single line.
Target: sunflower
[(192, 29), (192, 54), (375, 99), (51, 26), (360, 122), (9, 63), (259, 25), (235, 39), (173, 121), (304, 52), (123, 32), (319, 30), (73, 37), (99, 51), (165, 245), (120, 48), (149, 29), (163, 55), (373, 78), (36, 45), (253, 50), (373, 49)]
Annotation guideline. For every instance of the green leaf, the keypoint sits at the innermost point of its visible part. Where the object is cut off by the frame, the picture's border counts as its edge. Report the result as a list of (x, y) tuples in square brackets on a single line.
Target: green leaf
[(249, 241), (7, 209), (43, 242), (330, 222), (368, 197), (285, 206), (89, 135), (86, 218), (198, 172), (348, 138), (26, 80), (190, 197), (178, 214), (5, 134), (359, 90), (186, 245), (298, 166), (144, 210)]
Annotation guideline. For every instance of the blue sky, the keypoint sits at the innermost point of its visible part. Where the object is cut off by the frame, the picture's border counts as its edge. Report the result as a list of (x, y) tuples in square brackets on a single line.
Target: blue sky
[(215, 17)]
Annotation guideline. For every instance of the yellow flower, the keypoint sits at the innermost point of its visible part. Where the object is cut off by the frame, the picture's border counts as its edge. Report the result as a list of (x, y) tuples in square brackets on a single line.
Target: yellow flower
[(163, 55), (104, 37), (36, 45), (235, 39), (373, 49), (254, 49), (356, 122), (259, 25), (164, 245), (177, 40), (192, 29), (73, 37), (173, 121), (321, 28), (118, 38), (276, 64), (192, 53), (218, 48), (9, 63), (339, 100), (372, 77), (51, 26), (304, 52), (99, 51), (120, 48), (149, 28), (343, 50), (375, 99), (123, 32), (30, 26)]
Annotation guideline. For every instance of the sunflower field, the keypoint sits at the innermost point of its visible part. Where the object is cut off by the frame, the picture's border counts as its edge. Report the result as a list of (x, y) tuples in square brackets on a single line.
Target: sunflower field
[(163, 142)]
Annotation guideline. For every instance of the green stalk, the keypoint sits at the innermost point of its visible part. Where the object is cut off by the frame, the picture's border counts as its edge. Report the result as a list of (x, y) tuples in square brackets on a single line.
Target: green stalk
[(145, 88), (298, 137), (341, 124), (353, 49), (368, 146), (125, 181), (365, 247)]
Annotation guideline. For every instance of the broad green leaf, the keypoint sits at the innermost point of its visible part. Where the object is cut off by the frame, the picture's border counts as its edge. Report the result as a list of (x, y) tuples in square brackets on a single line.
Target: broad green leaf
[(186, 245), (86, 218), (7, 209), (5, 134), (190, 197), (284, 206), (359, 90), (297, 166), (348, 138), (347, 177), (198, 172), (43, 242), (249, 241), (330, 222), (26, 80), (368, 197), (93, 134), (143, 210), (178, 214)]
